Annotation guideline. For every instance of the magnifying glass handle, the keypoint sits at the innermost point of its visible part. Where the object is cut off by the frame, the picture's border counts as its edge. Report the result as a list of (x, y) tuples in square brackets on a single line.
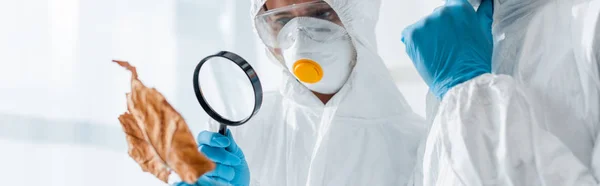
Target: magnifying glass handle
[(223, 130)]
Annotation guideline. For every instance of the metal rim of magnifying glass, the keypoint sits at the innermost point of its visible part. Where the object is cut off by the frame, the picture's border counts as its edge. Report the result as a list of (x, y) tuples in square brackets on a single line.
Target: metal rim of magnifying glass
[(252, 77)]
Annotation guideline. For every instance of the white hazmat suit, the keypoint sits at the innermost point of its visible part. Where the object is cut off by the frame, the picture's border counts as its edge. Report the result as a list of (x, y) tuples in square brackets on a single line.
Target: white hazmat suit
[(365, 135), (538, 125)]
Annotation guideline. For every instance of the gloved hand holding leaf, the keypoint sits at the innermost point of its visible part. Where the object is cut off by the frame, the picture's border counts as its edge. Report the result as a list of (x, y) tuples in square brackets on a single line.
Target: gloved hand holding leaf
[(159, 140)]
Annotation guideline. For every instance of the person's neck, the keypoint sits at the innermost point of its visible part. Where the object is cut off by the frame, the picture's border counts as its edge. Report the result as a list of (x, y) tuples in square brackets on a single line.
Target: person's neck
[(324, 97)]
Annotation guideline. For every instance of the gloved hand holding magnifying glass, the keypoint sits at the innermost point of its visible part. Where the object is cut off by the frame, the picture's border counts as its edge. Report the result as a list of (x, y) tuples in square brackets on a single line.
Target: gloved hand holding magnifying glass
[(229, 91)]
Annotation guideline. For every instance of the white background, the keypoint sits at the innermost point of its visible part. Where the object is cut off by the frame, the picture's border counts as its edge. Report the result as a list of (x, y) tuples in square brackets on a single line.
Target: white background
[(60, 95)]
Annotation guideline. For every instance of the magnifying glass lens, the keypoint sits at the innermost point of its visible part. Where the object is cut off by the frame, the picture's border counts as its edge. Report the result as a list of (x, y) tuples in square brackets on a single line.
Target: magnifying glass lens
[(227, 89)]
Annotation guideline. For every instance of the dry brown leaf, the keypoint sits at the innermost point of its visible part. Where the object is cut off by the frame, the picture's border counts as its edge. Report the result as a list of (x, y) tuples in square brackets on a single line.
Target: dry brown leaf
[(159, 140)]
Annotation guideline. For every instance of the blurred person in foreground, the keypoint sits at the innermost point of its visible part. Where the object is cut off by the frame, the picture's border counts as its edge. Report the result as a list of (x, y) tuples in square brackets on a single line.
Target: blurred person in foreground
[(519, 105)]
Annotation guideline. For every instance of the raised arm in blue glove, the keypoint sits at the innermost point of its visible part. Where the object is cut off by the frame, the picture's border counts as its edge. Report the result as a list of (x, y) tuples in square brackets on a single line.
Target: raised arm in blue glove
[(452, 45), (231, 169)]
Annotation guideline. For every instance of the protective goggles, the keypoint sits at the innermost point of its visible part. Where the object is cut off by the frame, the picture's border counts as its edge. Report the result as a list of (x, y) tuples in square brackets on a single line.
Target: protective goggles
[(270, 23)]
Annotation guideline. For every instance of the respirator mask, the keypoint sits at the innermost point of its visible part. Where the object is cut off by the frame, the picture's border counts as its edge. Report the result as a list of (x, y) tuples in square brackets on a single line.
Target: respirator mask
[(311, 42)]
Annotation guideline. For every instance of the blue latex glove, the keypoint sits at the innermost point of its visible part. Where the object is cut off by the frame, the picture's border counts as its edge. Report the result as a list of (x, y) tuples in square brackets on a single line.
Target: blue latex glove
[(231, 169), (452, 45)]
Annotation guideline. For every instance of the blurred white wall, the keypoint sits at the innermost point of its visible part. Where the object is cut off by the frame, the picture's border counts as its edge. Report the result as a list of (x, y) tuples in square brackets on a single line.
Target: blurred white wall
[(60, 95), (394, 17)]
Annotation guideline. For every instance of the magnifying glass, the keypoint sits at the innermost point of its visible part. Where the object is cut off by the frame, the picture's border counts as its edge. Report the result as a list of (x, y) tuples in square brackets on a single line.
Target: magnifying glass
[(228, 89)]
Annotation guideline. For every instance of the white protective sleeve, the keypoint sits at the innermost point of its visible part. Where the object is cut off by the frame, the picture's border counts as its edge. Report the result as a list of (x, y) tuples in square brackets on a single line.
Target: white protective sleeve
[(488, 131)]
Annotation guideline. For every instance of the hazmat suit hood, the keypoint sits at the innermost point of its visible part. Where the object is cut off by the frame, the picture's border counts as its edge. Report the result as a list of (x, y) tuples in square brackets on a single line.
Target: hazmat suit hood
[(370, 91)]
